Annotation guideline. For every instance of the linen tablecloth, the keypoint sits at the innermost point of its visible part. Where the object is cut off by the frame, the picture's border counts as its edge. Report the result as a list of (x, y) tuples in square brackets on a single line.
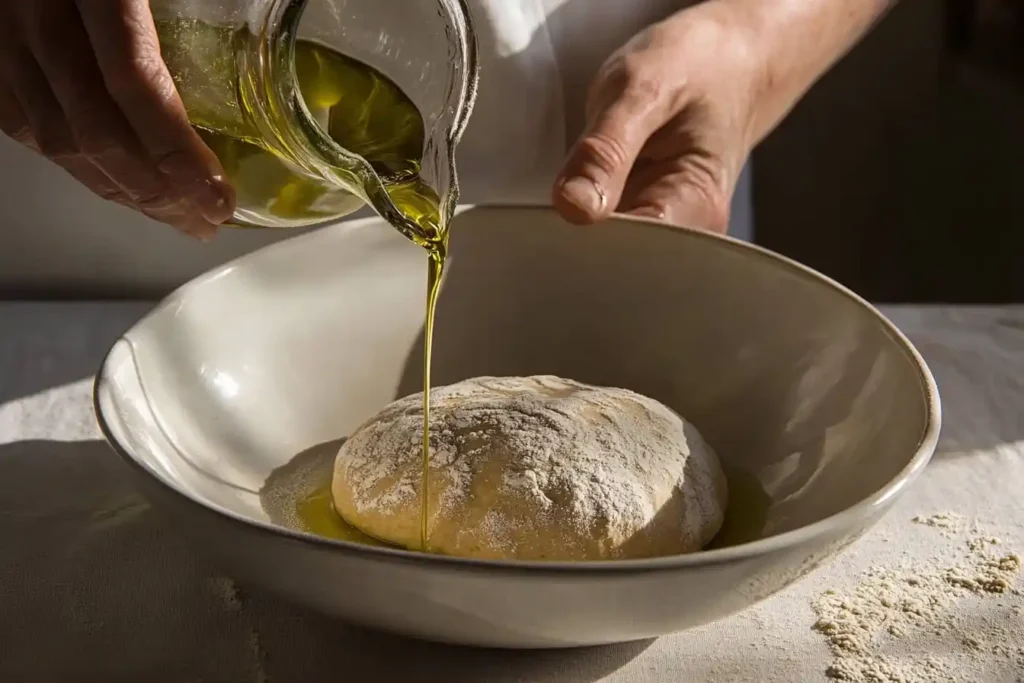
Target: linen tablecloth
[(95, 587)]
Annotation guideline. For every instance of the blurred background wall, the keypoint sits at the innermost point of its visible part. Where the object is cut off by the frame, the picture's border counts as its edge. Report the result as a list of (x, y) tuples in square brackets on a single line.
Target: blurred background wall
[(902, 172)]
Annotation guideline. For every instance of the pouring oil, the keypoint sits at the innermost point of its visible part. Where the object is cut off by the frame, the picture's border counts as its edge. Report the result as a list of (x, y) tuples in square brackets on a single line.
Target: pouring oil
[(359, 108)]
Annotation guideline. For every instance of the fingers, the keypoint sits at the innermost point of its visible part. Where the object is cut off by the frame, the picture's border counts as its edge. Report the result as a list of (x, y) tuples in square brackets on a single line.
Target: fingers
[(90, 175), (73, 121), (681, 192), (31, 114), (15, 123), (43, 127), (121, 129), (123, 36), (628, 111)]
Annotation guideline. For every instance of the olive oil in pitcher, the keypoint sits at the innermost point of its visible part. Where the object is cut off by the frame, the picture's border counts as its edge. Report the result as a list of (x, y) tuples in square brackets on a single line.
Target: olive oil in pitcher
[(361, 110)]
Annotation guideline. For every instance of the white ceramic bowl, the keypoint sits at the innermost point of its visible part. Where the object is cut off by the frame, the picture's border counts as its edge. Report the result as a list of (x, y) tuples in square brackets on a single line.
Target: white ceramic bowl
[(798, 384)]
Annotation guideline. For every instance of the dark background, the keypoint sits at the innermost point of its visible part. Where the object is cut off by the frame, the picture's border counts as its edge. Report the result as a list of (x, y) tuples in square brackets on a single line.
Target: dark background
[(901, 173)]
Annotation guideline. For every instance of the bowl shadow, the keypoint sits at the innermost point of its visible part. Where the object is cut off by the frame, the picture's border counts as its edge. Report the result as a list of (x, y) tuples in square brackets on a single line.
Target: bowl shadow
[(96, 585), (319, 645)]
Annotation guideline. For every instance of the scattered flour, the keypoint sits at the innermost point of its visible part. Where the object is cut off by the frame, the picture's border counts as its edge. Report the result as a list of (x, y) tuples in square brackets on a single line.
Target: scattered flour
[(227, 591), (911, 607), (949, 521), (259, 655)]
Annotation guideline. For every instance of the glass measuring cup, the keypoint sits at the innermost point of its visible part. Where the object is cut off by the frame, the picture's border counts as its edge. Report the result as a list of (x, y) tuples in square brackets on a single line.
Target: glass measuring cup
[(316, 107)]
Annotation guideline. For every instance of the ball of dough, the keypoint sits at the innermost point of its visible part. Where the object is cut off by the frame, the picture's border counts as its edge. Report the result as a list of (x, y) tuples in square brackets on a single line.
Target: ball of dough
[(534, 468)]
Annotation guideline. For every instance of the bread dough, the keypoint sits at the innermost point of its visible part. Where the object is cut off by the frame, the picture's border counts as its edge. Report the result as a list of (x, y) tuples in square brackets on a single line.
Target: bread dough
[(534, 468)]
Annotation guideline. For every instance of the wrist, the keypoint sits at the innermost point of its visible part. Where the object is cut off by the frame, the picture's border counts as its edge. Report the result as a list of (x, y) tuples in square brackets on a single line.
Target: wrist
[(728, 55), (797, 41)]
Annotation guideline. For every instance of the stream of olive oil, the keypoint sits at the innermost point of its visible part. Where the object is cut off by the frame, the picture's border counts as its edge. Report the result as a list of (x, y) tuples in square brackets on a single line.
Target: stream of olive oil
[(359, 108), (435, 270)]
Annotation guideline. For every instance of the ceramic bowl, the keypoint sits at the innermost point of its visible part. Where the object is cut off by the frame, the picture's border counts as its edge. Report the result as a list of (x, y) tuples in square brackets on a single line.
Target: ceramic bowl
[(821, 410)]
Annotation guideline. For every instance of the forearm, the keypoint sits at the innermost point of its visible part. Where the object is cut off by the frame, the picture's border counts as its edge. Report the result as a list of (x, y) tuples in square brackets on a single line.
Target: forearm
[(799, 40)]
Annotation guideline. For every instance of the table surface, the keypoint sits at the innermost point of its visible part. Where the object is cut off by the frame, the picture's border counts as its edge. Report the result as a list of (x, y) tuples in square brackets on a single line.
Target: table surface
[(93, 587)]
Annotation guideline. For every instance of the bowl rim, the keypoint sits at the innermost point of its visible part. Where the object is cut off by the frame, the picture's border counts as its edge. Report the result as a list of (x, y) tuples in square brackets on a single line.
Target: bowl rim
[(865, 508)]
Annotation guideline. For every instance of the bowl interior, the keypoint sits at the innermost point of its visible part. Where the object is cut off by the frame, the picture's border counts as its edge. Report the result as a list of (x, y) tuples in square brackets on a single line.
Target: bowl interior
[(804, 391)]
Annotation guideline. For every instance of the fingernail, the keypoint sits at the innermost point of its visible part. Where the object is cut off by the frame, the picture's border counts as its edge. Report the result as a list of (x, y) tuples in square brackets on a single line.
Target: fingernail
[(649, 212), (208, 191), (201, 234), (199, 229), (584, 194), (214, 199)]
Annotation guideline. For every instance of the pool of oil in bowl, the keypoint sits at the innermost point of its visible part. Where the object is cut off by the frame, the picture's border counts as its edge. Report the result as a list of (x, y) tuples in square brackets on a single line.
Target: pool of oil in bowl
[(297, 496)]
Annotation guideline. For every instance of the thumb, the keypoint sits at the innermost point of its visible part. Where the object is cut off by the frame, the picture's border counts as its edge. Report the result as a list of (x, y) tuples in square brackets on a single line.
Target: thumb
[(592, 180)]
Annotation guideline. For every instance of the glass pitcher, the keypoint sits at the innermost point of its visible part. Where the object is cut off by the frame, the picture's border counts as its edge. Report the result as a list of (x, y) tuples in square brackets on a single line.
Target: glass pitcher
[(316, 107)]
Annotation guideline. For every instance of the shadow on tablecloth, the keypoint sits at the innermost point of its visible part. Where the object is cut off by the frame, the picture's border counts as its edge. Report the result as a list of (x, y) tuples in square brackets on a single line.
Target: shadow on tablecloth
[(93, 587), (47, 345)]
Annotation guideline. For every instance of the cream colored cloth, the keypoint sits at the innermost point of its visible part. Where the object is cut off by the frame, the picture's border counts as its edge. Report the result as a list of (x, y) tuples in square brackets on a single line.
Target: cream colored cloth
[(94, 587)]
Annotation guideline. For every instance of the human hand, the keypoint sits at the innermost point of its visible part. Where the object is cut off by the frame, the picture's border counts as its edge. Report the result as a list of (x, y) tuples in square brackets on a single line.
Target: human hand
[(83, 84), (671, 122)]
